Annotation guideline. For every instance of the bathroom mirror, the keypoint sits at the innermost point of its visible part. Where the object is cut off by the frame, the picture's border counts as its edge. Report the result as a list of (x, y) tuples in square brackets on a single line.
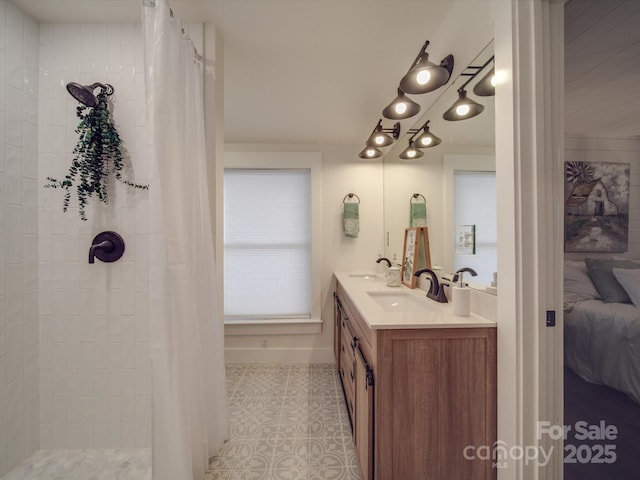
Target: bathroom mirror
[(467, 146)]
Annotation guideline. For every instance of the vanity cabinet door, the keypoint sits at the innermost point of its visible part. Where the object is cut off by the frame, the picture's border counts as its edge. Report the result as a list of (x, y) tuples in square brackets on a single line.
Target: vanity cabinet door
[(435, 396), (347, 366), (337, 337), (363, 429)]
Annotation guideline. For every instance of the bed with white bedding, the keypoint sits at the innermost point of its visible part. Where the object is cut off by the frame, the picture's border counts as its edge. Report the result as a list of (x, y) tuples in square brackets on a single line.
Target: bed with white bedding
[(601, 339), (602, 344)]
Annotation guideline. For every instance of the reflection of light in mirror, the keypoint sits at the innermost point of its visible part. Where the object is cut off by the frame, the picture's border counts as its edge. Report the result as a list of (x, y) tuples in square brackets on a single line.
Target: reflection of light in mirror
[(454, 145), (462, 110), (423, 77), (370, 152), (499, 77)]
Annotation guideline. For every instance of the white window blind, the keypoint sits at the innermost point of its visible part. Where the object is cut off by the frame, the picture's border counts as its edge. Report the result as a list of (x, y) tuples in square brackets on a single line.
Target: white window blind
[(267, 244), (475, 204)]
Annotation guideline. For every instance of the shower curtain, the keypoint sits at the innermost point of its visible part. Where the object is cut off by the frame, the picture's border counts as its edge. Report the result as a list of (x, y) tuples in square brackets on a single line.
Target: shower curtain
[(189, 404)]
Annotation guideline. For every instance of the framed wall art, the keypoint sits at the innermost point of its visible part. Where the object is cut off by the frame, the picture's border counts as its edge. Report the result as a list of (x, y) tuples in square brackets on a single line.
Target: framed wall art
[(415, 254), (466, 239), (596, 207)]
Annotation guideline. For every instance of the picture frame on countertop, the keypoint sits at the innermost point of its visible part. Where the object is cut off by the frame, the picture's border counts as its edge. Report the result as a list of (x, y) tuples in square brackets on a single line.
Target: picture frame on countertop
[(415, 254)]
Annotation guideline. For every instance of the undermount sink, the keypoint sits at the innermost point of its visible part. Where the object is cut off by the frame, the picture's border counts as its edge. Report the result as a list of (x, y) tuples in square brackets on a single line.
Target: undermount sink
[(367, 277), (399, 302)]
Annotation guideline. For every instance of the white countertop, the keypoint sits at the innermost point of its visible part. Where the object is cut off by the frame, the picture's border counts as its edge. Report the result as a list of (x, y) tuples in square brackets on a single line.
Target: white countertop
[(358, 285)]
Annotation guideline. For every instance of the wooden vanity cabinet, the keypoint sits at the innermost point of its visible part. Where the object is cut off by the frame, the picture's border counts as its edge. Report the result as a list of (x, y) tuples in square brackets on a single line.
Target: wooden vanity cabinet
[(419, 396), (357, 382)]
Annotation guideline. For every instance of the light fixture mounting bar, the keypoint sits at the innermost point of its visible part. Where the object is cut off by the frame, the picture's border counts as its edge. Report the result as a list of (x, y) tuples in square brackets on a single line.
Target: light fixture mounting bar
[(419, 56), (415, 131), (473, 75), (394, 131)]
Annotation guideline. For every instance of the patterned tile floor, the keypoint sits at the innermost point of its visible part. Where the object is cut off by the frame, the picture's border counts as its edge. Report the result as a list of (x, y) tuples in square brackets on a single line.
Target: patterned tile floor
[(287, 422)]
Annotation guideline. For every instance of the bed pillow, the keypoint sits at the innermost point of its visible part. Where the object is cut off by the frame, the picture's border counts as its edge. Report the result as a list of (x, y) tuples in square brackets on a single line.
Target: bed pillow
[(577, 284), (600, 272), (630, 281)]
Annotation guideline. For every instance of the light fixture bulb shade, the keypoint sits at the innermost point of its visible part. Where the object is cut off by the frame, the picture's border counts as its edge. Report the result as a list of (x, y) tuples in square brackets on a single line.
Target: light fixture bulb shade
[(425, 76), (411, 152), (370, 152), (486, 87), (379, 138), (401, 107), (427, 139), (463, 108)]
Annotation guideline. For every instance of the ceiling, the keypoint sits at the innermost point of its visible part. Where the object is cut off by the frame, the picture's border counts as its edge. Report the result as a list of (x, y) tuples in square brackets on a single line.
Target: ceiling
[(602, 68), (320, 71), (295, 71)]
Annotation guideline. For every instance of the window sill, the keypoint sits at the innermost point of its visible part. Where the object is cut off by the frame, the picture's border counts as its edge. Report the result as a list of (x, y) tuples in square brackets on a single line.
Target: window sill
[(272, 327)]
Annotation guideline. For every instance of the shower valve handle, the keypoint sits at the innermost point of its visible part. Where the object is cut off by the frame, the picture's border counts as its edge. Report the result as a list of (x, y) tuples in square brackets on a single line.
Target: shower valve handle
[(107, 247)]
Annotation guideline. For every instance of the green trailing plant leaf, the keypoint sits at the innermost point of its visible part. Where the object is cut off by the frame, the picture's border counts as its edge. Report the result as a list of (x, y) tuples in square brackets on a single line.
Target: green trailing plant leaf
[(96, 156)]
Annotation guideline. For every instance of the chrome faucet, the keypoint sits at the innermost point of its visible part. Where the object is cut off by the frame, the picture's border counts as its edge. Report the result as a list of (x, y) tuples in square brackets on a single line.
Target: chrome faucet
[(436, 290), (384, 259)]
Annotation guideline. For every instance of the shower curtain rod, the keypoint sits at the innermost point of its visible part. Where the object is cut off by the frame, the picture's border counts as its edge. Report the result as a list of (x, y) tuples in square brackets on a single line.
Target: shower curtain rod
[(152, 3)]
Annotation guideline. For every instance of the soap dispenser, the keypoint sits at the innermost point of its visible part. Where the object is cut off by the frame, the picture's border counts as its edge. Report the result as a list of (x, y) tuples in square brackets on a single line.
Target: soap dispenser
[(392, 273), (462, 294)]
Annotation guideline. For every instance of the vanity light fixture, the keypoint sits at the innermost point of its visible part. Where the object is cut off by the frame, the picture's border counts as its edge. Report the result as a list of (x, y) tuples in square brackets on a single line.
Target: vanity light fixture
[(370, 152), (401, 107), (427, 139), (487, 86), (464, 107), (425, 76), (411, 152), (380, 136)]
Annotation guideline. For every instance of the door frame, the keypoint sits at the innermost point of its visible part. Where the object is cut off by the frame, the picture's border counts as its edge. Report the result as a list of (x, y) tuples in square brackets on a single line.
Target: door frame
[(529, 54)]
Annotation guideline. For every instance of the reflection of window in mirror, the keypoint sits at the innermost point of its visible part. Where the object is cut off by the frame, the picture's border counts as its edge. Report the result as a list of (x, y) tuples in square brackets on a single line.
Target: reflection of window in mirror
[(470, 200), (475, 204)]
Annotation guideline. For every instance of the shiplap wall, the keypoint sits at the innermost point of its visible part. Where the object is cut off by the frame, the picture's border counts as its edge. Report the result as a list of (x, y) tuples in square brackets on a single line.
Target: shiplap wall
[(601, 68)]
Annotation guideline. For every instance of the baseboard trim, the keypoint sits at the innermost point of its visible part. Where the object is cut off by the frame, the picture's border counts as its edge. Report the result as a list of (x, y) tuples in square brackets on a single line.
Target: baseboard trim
[(278, 355)]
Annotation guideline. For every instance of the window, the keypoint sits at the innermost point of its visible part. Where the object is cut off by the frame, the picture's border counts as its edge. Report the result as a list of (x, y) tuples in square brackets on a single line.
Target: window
[(270, 260), (475, 204)]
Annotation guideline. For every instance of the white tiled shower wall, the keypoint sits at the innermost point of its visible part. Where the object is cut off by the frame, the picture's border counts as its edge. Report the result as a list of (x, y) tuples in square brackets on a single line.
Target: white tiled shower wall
[(94, 355), (74, 369), (19, 410)]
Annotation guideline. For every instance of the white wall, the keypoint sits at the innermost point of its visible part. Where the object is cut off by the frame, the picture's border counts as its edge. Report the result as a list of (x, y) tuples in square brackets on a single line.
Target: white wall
[(94, 356), (18, 236), (342, 172), (614, 151)]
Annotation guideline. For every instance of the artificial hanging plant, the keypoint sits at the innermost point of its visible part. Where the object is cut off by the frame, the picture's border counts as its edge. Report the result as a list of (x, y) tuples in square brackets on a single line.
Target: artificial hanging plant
[(96, 156)]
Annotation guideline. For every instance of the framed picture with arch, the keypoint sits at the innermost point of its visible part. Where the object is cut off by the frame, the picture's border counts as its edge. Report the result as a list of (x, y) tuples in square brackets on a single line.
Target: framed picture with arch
[(596, 207)]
